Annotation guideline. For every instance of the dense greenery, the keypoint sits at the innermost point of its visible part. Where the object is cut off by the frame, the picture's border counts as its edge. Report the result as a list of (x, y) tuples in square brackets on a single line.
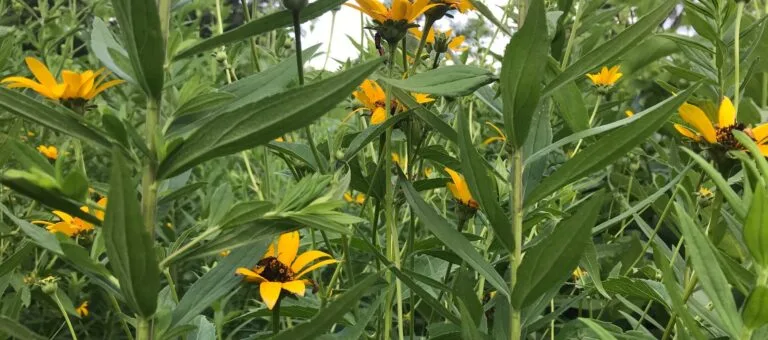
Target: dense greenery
[(175, 169)]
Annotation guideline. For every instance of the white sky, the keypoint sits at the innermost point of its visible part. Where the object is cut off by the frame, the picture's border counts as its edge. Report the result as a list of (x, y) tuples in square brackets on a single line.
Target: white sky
[(348, 23)]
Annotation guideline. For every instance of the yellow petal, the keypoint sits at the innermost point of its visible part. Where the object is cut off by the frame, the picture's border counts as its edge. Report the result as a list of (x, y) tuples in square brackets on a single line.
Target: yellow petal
[(726, 115), (348, 197), (64, 228), (287, 247), (306, 258), (492, 139), (763, 149), (455, 44), (760, 133), (315, 266), (379, 116), (21, 82), (687, 132), (73, 81), (249, 275), (41, 72), (63, 216), (270, 292), (104, 87), (461, 186), (296, 287), (699, 120)]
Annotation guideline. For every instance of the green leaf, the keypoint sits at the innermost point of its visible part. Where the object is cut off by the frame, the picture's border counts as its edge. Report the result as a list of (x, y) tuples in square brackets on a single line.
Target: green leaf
[(571, 106), (370, 134), (106, 48), (427, 116), (333, 311), (129, 246), (601, 332), (482, 186), (219, 281), (550, 262), (701, 253), (755, 231), (675, 293), (140, 27), (261, 25), (592, 265), (449, 81), (258, 123), (30, 158), (522, 71), (61, 119), (39, 235), (755, 314), (450, 237), (609, 148), (10, 262), (611, 49), (15, 329)]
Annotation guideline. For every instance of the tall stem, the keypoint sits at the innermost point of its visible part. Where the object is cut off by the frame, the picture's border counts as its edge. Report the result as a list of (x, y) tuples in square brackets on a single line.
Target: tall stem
[(300, 69), (737, 57), (591, 121), (252, 40), (516, 256), (164, 12), (66, 317), (276, 318), (427, 27), (149, 178), (143, 329)]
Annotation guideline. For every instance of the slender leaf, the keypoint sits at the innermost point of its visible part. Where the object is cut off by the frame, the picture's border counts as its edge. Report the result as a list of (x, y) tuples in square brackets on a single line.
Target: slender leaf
[(140, 27), (722, 185), (370, 134), (755, 231), (601, 332), (14, 329), (755, 314), (449, 81)]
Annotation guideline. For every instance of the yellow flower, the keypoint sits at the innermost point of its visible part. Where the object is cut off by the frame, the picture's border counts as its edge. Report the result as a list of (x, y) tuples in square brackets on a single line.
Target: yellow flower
[(82, 310), (460, 190), (49, 152), (428, 171), (30, 133), (280, 139), (225, 253), (606, 77), (374, 99), (721, 133), (84, 86), (422, 98), (462, 5), (359, 198), (73, 226), (500, 138), (400, 10), (280, 269), (629, 113), (454, 44), (579, 273), (705, 192)]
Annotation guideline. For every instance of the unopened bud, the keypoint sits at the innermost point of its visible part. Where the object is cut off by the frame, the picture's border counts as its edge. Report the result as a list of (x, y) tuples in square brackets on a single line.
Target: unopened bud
[(220, 56), (295, 5), (48, 285)]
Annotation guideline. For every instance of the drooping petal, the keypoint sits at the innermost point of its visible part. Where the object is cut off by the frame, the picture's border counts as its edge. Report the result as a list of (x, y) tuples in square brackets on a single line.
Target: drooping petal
[(687, 132), (296, 287), (64, 228), (760, 133), (492, 139), (726, 115), (461, 186), (270, 292), (63, 216), (453, 189), (307, 257), (41, 72), (287, 247), (249, 275), (21, 82), (315, 266), (698, 119)]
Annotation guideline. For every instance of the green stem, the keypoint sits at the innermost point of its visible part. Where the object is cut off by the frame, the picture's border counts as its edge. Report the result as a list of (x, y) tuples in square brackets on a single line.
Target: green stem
[(516, 256), (220, 28), (149, 178), (686, 295), (405, 55), (737, 57), (300, 69), (254, 49), (143, 329), (330, 40), (572, 36), (276, 318), (436, 63), (427, 27), (64, 314), (591, 120)]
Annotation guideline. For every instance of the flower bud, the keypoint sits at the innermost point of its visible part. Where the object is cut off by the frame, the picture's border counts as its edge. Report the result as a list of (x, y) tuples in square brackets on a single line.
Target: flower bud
[(220, 56), (295, 5), (48, 285)]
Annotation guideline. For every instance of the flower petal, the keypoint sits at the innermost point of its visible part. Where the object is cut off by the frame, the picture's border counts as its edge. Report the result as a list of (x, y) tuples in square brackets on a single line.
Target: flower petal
[(726, 115), (270, 292), (760, 132), (315, 266), (461, 186), (687, 132), (379, 116), (296, 287), (699, 120), (104, 87), (41, 72), (308, 257), (287, 247), (73, 81), (21, 82), (249, 275)]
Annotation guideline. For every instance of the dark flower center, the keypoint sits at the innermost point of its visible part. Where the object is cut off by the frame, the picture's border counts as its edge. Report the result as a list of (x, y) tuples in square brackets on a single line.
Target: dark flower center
[(274, 270), (725, 136)]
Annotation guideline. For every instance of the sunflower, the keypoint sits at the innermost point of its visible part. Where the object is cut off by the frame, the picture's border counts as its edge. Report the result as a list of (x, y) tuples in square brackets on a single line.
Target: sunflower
[(76, 88), (358, 199), (606, 78), (49, 152), (460, 190), (444, 42), (400, 10), (73, 226), (374, 99), (721, 134), (82, 310), (280, 269)]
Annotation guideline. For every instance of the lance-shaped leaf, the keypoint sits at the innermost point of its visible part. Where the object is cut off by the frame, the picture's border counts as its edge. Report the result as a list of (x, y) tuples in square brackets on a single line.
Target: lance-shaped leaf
[(258, 123), (129, 246), (449, 81), (140, 26), (522, 71), (609, 148)]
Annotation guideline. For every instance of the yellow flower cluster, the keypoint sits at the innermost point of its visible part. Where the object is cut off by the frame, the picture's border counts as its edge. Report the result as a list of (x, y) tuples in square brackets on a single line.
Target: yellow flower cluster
[(74, 226)]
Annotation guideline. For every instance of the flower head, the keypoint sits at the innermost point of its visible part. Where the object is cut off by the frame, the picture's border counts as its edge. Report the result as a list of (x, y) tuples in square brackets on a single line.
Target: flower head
[(579, 273), (460, 190), (501, 137), (374, 99), (392, 22), (76, 88), (606, 78), (73, 226), (280, 269), (721, 134), (358, 199), (49, 152), (82, 309), (629, 113)]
